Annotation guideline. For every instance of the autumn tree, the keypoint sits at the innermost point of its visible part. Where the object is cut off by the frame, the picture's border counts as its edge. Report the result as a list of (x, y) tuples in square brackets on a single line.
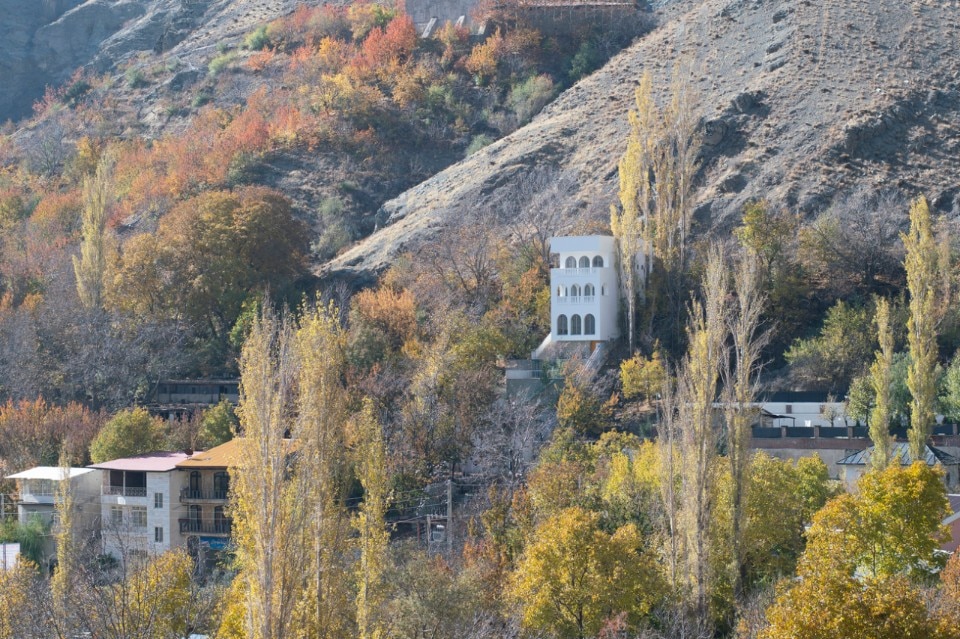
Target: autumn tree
[(697, 390), (269, 519), (371, 525), (881, 380), (864, 549), (643, 377), (90, 267), (921, 265), (747, 341), (574, 576)]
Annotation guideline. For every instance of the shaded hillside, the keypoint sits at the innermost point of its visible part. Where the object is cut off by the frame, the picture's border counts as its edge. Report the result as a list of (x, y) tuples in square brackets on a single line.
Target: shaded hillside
[(801, 100), (45, 41)]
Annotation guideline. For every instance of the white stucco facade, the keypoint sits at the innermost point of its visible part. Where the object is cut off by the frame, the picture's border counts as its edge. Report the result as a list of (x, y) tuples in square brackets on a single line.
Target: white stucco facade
[(140, 508), (584, 297)]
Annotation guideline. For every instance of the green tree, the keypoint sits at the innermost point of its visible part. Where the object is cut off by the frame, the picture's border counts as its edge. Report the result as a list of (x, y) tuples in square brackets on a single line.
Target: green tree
[(128, 433), (950, 390), (574, 576), (833, 358), (921, 264), (217, 425), (578, 407)]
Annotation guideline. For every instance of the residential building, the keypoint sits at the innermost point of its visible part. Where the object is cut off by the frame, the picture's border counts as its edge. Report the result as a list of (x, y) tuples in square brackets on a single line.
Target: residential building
[(205, 488), (178, 399), (584, 296), (584, 311), (38, 495), (856, 464), (140, 505)]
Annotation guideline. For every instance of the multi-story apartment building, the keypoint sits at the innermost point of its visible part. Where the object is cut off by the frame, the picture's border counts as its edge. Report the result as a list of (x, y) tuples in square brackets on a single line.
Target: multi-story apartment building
[(205, 487), (140, 505)]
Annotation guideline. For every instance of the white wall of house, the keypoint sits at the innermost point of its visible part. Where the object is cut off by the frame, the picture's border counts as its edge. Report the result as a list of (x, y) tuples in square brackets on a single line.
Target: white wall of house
[(803, 412), (162, 505), (584, 286)]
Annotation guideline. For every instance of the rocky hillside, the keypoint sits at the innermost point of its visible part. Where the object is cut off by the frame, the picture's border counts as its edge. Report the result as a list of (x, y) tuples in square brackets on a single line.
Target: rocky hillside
[(801, 100), (42, 42)]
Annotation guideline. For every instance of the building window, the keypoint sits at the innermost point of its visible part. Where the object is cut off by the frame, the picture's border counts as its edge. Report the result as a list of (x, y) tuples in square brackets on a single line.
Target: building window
[(561, 325), (571, 262), (589, 325), (788, 409), (584, 262), (158, 534), (575, 325), (195, 484), (597, 262), (603, 289), (589, 291), (116, 515), (221, 485), (158, 500), (574, 291), (138, 517), (559, 291)]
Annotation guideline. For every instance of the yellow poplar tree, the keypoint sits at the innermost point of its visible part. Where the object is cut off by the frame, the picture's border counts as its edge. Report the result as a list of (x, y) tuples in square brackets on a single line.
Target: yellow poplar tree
[(921, 265), (89, 268), (370, 523), (880, 379)]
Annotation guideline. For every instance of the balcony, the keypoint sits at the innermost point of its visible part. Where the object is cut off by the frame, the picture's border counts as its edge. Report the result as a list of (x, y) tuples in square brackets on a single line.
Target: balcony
[(190, 495), (590, 270), (200, 527), (125, 491), (578, 299)]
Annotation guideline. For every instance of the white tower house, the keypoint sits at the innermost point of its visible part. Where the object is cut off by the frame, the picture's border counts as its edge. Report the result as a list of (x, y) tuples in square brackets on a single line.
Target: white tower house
[(584, 297)]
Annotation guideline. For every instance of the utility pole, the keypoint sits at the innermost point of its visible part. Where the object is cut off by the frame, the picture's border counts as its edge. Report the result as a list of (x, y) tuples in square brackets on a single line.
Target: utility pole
[(450, 516)]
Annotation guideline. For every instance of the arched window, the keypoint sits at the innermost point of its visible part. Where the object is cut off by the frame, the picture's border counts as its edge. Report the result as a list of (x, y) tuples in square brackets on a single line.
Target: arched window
[(603, 289), (574, 291), (571, 262), (584, 262), (575, 325), (559, 291), (561, 324), (588, 290), (589, 325), (597, 261)]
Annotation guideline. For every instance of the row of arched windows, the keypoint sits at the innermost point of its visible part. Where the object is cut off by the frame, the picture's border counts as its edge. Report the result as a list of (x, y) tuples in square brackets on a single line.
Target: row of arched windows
[(588, 326), (584, 262), (588, 290)]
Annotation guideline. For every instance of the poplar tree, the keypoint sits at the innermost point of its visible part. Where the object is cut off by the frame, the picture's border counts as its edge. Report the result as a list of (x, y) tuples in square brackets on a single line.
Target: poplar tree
[(921, 264), (322, 473), (880, 380), (747, 341), (89, 268), (269, 518), (370, 523), (697, 387)]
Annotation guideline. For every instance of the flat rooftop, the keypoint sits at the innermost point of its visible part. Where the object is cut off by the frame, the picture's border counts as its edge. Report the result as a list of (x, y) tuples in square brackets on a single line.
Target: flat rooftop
[(53, 473)]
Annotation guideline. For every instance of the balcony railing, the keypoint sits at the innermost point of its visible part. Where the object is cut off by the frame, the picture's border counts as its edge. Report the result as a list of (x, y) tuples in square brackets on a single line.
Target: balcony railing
[(126, 491), (190, 494), (578, 271), (199, 527), (576, 299)]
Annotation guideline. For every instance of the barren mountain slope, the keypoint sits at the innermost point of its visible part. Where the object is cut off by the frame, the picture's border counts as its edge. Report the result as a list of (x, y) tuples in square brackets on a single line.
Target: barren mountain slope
[(801, 99)]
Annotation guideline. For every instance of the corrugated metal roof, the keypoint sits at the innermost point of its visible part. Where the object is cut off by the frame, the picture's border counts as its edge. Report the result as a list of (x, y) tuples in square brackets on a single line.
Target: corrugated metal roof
[(157, 462), (53, 473), (901, 450)]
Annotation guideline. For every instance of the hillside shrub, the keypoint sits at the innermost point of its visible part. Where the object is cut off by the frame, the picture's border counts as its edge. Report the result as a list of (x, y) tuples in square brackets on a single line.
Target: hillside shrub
[(220, 63), (257, 39), (477, 143), (135, 78)]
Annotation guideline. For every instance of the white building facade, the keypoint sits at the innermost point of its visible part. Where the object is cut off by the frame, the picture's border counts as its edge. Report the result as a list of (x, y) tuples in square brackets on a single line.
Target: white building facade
[(140, 504), (584, 296)]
